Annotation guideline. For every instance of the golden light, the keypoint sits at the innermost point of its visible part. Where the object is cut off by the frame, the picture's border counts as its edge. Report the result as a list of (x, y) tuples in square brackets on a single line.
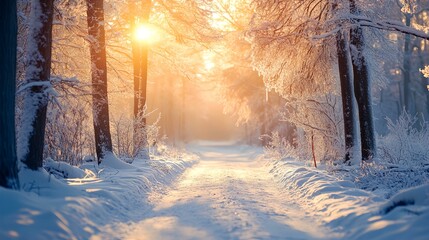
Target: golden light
[(145, 33), (208, 58)]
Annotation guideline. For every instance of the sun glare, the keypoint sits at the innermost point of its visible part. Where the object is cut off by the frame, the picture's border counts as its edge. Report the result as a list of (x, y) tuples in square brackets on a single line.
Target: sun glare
[(145, 33), (208, 60)]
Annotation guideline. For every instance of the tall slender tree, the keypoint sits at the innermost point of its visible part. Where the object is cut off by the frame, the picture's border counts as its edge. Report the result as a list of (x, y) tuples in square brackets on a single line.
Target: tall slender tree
[(406, 67), (8, 39), (95, 19), (362, 88), (140, 52), (136, 55), (37, 79), (347, 95)]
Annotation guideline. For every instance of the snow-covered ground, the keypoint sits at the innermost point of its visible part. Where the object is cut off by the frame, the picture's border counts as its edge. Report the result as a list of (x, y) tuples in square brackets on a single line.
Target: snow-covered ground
[(231, 193), (353, 213), (80, 207)]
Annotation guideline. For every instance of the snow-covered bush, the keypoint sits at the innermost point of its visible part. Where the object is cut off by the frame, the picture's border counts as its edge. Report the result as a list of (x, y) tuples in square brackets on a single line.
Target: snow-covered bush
[(319, 121), (387, 180), (123, 135), (68, 134), (403, 159), (405, 145), (277, 147)]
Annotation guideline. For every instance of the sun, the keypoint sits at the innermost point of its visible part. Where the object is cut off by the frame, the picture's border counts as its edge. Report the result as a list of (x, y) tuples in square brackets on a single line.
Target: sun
[(144, 33)]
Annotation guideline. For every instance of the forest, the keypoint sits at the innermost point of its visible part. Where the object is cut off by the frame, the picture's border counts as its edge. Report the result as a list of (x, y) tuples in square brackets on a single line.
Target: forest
[(214, 119)]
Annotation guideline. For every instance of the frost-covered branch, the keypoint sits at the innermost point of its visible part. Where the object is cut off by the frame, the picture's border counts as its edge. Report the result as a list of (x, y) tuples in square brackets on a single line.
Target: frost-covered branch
[(425, 71)]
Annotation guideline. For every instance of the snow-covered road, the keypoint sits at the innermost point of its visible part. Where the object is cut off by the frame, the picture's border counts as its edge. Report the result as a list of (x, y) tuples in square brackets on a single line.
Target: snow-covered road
[(228, 195)]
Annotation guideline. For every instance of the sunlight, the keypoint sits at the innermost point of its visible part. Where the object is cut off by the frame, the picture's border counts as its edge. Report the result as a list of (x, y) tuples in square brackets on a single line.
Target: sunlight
[(208, 60), (145, 33)]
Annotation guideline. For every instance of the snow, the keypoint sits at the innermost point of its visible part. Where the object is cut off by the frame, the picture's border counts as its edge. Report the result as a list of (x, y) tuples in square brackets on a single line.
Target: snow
[(228, 195), (351, 212), (78, 208), (425, 71), (233, 192), (110, 160), (31, 101), (63, 169)]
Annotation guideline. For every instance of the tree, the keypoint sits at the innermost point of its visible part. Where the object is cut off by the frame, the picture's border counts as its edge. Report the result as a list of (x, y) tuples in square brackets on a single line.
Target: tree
[(362, 88), (95, 19), (303, 67), (278, 24), (37, 85), (8, 39), (346, 78), (140, 52)]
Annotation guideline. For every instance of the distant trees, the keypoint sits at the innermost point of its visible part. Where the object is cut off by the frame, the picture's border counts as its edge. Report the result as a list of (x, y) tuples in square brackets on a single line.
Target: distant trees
[(8, 41), (37, 85), (95, 19), (413, 14)]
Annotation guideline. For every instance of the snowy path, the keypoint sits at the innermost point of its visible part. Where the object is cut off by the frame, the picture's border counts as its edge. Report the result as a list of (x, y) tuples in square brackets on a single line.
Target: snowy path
[(228, 195)]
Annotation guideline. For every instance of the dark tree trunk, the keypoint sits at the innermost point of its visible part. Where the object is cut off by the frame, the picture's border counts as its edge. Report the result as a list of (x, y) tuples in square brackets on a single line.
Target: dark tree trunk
[(406, 67), (8, 38), (95, 18), (38, 74), (362, 87), (347, 95), (136, 56), (140, 55), (143, 81), (143, 60), (137, 76)]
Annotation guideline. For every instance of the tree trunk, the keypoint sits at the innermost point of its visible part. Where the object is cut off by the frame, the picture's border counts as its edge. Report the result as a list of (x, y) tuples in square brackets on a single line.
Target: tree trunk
[(8, 41), (407, 67), (136, 51), (95, 18), (346, 78), (136, 56), (143, 82), (362, 87), (140, 55), (32, 133)]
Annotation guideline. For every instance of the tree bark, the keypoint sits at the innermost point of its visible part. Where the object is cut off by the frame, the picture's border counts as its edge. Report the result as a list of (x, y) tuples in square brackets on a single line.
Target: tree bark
[(140, 55), (8, 41), (362, 87), (136, 57), (32, 134), (95, 19), (406, 67), (347, 95), (143, 82)]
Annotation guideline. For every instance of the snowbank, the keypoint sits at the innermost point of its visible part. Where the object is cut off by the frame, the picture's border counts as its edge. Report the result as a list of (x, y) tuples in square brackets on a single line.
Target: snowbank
[(355, 213), (79, 207)]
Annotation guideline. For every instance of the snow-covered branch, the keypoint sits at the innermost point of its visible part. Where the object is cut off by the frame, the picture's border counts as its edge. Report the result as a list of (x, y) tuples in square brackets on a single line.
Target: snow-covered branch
[(425, 71)]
